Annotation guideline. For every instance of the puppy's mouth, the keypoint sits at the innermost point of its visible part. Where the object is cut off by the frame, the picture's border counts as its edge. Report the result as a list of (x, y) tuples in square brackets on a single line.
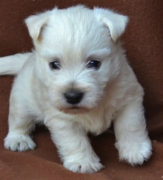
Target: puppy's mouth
[(75, 110)]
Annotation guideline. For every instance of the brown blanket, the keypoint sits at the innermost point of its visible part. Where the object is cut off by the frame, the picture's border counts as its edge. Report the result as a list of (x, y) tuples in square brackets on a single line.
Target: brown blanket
[(143, 41)]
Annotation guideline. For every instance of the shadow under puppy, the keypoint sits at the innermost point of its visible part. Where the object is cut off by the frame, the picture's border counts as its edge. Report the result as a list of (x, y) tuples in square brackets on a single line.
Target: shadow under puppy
[(77, 80)]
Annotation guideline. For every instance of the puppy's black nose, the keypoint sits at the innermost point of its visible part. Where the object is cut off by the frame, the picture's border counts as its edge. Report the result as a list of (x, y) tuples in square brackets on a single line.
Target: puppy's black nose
[(73, 96)]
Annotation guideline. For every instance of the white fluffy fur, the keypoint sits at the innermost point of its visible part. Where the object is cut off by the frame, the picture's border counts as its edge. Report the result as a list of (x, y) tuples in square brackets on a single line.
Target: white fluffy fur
[(112, 93)]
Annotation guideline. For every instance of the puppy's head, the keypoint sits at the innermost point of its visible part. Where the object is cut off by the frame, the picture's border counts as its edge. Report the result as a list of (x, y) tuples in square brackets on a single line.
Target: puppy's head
[(77, 54)]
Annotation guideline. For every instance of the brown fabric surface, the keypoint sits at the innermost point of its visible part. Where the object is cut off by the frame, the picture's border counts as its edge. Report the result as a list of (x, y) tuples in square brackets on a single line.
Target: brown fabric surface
[(143, 41)]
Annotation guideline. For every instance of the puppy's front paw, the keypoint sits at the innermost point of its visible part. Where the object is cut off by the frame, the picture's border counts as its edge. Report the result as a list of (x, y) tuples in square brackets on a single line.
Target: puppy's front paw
[(18, 142), (134, 152), (85, 165)]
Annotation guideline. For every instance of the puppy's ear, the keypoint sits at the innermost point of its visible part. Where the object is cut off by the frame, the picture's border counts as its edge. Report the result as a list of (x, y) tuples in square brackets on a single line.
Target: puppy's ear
[(115, 22), (36, 24)]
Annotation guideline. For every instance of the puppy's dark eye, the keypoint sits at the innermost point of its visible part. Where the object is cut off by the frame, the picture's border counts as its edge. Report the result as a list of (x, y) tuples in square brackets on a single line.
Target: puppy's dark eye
[(55, 65), (94, 64)]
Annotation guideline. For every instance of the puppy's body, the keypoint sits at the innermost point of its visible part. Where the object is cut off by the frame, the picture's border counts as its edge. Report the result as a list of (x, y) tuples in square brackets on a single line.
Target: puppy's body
[(110, 92)]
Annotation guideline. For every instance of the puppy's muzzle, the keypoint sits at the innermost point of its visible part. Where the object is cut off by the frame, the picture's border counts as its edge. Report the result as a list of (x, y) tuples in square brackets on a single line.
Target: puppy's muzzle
[(73, 96)]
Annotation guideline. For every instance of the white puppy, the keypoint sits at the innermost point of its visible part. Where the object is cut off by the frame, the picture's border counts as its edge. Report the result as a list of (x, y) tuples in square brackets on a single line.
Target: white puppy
[(77, 80)]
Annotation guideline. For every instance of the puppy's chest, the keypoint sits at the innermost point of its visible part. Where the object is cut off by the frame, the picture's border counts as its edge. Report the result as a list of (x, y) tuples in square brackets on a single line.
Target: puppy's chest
[(96, 121)]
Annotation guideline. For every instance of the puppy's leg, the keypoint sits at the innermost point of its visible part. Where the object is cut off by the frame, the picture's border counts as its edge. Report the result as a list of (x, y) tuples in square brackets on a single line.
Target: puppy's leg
[(132, 139), (18, 138), (20, 126), (74, 147)]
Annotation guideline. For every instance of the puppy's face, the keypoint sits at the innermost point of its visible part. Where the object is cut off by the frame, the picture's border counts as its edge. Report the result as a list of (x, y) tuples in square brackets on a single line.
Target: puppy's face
[(76, 57)]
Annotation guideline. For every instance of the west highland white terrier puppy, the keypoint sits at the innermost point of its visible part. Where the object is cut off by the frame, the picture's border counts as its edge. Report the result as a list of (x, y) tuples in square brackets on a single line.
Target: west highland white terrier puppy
[(77, 80)]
